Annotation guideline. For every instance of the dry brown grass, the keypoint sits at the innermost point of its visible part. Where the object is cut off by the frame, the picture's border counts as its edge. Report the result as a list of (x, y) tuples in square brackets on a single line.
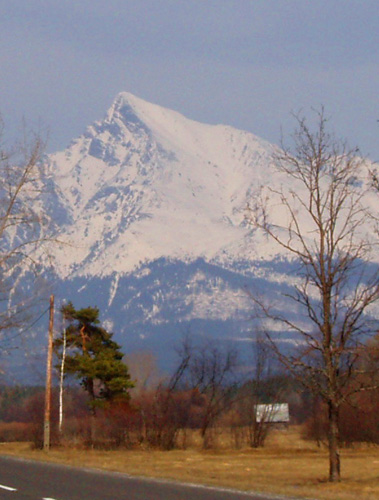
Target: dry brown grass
[(287, 465)]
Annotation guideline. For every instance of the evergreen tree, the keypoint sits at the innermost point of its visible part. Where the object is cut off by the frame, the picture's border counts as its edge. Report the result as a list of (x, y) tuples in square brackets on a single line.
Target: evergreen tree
[(93, 357)]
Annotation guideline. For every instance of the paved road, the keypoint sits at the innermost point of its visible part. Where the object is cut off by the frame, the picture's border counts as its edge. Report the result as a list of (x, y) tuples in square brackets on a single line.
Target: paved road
[(28, 480)]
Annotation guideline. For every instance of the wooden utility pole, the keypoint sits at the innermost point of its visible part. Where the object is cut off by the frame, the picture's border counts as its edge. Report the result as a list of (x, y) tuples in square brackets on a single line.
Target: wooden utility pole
[(46, 427)]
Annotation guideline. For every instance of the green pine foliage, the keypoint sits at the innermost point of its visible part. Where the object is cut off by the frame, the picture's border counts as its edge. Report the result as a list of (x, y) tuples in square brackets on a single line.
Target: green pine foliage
[(93, 357)]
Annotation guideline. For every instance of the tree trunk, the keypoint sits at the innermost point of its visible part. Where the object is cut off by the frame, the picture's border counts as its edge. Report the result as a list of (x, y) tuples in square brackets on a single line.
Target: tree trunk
[(334, 456), (92, 418)]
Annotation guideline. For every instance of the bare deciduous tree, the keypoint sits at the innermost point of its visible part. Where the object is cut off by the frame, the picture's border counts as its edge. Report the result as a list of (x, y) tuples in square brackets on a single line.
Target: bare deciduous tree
[(23, 222), (211, 372), (321, 217), (267, 389), (258, 397), (165, 410)]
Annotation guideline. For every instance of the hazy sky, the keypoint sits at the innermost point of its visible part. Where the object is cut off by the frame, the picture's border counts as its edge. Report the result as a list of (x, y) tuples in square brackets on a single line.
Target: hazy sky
[(246, 63)]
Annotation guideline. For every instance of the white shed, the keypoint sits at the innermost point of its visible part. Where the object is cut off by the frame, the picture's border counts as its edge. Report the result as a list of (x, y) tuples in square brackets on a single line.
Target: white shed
[(273, 413)]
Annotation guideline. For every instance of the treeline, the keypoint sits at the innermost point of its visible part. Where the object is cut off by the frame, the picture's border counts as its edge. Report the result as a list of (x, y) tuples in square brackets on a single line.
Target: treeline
[(207, 398)]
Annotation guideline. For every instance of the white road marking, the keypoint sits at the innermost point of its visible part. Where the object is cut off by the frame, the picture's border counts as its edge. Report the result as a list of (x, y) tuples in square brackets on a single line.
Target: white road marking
[(8, 488)]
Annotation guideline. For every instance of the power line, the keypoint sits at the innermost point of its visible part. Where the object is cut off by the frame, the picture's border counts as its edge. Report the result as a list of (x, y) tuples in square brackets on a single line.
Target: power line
[(27, 328)]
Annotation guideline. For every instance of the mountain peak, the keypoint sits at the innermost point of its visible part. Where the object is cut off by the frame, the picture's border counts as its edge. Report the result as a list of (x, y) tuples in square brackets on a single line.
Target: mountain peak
[(145, 171), (164, 123), (127, 99), (127, 106)]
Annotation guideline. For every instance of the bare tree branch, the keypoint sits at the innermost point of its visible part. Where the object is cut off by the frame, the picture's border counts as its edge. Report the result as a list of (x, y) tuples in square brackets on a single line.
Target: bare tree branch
[(25, 230)]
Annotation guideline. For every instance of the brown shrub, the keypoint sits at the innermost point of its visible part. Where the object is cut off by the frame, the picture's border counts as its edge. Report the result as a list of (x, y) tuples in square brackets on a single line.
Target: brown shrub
[(358, 421), (16, 431)]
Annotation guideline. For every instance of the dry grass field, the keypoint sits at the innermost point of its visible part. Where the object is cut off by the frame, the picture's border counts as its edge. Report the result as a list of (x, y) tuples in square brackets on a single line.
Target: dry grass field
[(287, 465)]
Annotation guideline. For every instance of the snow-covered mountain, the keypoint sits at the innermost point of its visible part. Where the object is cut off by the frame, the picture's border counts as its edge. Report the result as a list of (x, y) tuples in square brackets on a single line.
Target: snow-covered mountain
[(152, 207), (147, 183)]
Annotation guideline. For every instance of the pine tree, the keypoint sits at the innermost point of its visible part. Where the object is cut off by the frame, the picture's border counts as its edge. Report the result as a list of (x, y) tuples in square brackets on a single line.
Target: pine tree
[(93, 357)]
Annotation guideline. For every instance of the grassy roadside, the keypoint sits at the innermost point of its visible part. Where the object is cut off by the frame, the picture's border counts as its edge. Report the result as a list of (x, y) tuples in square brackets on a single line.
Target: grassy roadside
[(286, 466)]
